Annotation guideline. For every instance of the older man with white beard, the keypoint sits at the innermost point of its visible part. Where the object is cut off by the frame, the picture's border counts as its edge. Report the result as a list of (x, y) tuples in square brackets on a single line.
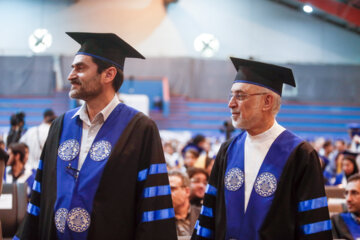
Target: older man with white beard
[(266, 182)]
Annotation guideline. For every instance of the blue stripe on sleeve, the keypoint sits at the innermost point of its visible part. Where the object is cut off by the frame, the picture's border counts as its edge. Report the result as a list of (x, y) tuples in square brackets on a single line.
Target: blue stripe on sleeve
[(15, 238), (158, 215), (153, 169), (142, 175), (40, 165), (157, 191), (158, 168), (203, 232), (312, 204), (36, 186), (316, 227), (206, 211), (33, 209), (211, 190)]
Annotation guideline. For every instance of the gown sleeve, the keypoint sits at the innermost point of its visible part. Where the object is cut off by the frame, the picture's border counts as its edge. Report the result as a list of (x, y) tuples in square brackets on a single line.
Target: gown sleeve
[(155, 213), (312, 218)]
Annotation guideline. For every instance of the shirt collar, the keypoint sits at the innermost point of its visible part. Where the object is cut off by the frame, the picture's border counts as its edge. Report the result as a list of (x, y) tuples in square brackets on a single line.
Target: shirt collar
[(273, 131), (103, 114)]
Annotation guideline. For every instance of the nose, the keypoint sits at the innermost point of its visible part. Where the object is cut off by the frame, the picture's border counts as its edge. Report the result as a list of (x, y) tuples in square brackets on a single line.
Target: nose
[(232, 102), (72, 75)]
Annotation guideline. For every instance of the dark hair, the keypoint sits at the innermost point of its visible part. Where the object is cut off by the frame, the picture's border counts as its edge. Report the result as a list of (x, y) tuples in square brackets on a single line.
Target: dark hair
[(208, 161), (193, 152), (119, 77), (327, 144), (193, 171), (353, 161), (198, 139), (3, 156), (17, 148), (355, 177)]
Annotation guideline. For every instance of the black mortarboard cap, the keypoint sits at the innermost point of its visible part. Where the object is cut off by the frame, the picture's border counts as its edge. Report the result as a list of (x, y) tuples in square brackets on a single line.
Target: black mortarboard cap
[(105, 46), (350, 153), (266, 75)]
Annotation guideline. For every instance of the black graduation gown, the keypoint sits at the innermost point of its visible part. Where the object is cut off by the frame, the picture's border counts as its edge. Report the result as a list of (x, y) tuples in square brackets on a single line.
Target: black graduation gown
[(339, 228), (300, 180), (118, 203)]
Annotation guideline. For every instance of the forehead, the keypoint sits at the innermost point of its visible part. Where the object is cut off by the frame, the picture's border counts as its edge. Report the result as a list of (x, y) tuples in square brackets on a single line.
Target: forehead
[(353, 185), (82, 59), (175, 181), (244, 87), (199, 175)]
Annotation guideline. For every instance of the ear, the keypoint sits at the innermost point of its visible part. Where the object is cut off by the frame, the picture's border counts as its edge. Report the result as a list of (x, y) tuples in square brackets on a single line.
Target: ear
[(187, 190), (109, 74), (268, 102)]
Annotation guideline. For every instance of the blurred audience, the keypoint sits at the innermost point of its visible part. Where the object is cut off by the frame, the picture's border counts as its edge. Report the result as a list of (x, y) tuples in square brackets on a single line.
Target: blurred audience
[(17, 128), (185, 213), (2, 145), (190, 157), (3, 160), (15, 171), (35, 138), (209, 165), (347, 225), (348, 168), (198, 181)]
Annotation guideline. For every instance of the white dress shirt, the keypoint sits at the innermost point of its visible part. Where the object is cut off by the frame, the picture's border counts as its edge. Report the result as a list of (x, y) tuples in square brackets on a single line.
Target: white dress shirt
[(91, 129), (256, 148)]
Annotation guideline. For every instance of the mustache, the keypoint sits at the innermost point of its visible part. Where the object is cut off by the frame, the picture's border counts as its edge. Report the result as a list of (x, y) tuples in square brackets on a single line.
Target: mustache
[(75, 81)]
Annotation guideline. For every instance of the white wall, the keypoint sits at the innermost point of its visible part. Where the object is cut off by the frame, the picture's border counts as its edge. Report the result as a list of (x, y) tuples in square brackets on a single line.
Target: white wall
[(259, 28)]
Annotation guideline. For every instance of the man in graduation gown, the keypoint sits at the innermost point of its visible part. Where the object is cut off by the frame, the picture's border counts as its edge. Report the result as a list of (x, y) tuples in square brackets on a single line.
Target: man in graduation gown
[(347, 225), (266, 182), (102, 173)]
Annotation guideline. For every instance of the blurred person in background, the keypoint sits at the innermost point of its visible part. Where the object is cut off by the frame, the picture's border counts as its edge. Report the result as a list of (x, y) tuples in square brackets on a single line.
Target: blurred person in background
[(348, 167), (327, 149), (347, 225), (2, 144), (186, 214), (198, 181), (191, 155), (16, 172), (17, 128), (3, 160), (35, 138), (209, 164), (334, 165)]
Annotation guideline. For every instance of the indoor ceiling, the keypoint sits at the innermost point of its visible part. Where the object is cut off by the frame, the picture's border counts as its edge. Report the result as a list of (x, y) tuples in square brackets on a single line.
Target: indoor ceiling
[(343, 13)]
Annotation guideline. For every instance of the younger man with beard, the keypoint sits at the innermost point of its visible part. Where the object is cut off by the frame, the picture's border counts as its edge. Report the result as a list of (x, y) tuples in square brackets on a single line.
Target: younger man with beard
[(102, 173)]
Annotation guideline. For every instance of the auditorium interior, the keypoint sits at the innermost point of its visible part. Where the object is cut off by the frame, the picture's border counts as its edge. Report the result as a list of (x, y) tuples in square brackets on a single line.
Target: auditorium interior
[(185, 80)]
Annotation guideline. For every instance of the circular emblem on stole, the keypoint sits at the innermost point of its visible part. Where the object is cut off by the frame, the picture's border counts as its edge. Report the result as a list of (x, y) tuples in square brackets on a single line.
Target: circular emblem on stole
[(100, 150), (69, 149), (60, 219), (265, 184), (78, 220), (234, 179)]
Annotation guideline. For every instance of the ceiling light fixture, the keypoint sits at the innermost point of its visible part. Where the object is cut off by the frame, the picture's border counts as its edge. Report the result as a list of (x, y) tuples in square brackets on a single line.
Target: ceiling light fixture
[(307, 8)]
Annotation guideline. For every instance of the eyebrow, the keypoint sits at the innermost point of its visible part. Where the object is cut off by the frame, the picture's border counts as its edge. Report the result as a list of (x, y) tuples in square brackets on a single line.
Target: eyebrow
[(79, 64)]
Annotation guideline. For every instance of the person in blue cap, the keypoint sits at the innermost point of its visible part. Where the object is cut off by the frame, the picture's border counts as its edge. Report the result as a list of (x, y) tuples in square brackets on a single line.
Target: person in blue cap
[(102, 173), (266, 182)]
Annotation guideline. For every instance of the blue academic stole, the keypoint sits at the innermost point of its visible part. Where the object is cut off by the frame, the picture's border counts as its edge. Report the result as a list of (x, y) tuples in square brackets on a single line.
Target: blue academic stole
[(243, 225), (76, 189), (353, 226)]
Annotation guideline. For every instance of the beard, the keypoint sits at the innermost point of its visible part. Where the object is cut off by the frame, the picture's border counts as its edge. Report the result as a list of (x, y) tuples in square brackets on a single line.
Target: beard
[(86, 90)]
